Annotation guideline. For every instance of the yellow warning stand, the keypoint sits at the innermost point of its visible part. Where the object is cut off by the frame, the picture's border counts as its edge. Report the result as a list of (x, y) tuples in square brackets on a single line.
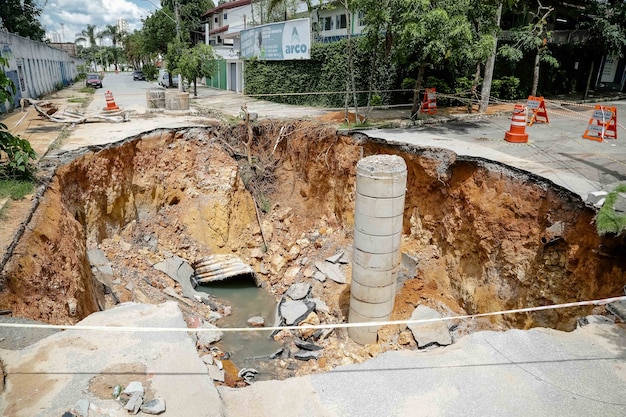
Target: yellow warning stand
[(603, 124)]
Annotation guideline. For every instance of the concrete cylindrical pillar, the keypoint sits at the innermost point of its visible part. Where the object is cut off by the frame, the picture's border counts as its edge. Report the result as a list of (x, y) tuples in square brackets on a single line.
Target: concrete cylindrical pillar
[(379, 207), (155, 99), (176, 101)]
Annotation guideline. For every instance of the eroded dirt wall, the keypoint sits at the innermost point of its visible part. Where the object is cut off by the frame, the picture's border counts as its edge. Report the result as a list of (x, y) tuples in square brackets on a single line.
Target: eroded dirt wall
[(180, 180), (478, 231)]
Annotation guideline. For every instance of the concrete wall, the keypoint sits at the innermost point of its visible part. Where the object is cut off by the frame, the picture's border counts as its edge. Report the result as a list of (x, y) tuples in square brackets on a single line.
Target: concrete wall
[(35, 67)]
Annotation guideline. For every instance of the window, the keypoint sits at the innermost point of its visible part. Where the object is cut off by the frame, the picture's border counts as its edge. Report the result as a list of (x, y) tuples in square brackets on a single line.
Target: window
[(215, 20), (327, 23), (361, 18), (225, 15), (341, 22)]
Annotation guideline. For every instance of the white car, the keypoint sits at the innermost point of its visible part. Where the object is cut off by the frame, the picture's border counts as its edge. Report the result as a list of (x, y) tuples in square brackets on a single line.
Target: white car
[(164, 79)]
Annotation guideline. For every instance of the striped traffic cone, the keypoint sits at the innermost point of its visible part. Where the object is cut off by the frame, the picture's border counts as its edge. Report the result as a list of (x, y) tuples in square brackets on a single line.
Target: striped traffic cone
[(517, 132), (110, 102)]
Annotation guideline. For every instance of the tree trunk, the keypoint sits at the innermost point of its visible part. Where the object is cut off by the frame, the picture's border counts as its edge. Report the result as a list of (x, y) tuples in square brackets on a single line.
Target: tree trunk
[(416, 91), (489, 65), (588, 80), (195, 88), (474, 89), (533, 90)]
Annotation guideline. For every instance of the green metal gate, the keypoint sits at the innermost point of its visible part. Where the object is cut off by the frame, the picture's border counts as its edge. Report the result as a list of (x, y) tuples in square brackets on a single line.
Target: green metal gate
[(218, 80)]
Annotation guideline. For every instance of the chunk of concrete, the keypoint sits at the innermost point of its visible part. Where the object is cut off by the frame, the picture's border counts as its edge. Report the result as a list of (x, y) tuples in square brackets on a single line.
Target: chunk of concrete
[(256, 321), (618, 308), (216, 373), (429, 333), (331, 271), (294, 311), (305, 355), (180, 271), (134, 404), (298, 291), (133, 387), (154, 407), (596, 198), (81, 408), (207, 338)]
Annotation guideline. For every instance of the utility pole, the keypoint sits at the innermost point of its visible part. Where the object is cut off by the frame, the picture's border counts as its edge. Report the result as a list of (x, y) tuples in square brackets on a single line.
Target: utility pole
[(177, 16)]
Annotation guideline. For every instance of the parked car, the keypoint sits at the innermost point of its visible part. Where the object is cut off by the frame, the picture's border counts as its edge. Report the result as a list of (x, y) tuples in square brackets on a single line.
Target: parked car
[(138, 75), (93, 80), (164, 79)]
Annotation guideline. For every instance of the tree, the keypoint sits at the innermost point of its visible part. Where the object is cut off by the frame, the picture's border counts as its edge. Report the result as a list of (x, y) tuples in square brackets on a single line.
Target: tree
[(112, 32), (197, 62), (605, 23), (158, 30), (532, 37), (189, 14), (429, 33), (22, 17), (88, 34)]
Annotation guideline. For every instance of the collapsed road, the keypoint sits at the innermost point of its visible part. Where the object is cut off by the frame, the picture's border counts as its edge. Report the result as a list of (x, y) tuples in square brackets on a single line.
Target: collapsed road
[(474, 240)]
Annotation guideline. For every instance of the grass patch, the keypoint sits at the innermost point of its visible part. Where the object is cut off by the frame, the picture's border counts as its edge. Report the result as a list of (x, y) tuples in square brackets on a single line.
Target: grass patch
[(4, 209), (608, 220), (16, 189), (76, 100), (89, 90)]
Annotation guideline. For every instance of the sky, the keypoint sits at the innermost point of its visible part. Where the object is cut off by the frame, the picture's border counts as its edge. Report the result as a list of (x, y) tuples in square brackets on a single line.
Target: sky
[(70, 17)]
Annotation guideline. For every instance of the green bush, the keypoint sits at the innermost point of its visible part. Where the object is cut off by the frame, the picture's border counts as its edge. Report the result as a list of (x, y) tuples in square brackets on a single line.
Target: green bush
[(608, 220), (326, 71), (150, 71), (17, 164), (506, 88)]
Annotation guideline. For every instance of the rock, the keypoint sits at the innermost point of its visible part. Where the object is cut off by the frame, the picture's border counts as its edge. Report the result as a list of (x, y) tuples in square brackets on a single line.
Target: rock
[(133, 387), (291, 274), (281, 353), (319, 276), (303, 243), (256, 321), (180, 271), (617, 308), (298, 291), (100, 266), (155, 406), (373, 349), (311, 320), (335, 258), (405, 338), (332, 271), (294, 311), (281, 215), (306, 345), (216, 373), (308, 272), (293, 252), (205, 339), (277, 264), (81, 408), (281, 335), (125, 246), (72, 306), (429, 333), (134, 404), (597, 198), (320, 305), (256, 253), (305, 355)]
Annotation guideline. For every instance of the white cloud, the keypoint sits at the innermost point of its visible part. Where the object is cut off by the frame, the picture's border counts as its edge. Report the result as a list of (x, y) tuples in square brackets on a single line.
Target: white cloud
[(70, 17)]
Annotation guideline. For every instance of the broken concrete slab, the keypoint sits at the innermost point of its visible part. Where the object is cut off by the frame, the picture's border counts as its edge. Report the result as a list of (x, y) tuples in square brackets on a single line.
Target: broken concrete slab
[(208, 338), (216, 373), (335, 258), (618, 308), (219, 267), (133, 387), (596, 198), (256, 321), (305, 355), (429, 333), (180, 271), (134, 403), (304, 345), (298, 291), (331, 271), (319, 276), (320, 305), (294, 311), (154, 407), (81, 408)]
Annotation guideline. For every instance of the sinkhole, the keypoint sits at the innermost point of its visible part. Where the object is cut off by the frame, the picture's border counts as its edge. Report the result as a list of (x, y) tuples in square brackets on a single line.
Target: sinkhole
[(478, 236)]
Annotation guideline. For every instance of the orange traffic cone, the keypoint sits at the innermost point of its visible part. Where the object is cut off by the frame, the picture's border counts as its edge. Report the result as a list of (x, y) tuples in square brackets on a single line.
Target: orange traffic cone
[(517, 133), (110, 102)]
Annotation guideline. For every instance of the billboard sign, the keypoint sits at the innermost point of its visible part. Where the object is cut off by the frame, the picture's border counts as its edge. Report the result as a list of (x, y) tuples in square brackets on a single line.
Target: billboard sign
[(278, 41)]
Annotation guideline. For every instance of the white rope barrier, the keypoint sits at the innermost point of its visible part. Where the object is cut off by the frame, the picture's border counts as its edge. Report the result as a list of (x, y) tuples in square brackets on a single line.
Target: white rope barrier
[(307, 327)]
